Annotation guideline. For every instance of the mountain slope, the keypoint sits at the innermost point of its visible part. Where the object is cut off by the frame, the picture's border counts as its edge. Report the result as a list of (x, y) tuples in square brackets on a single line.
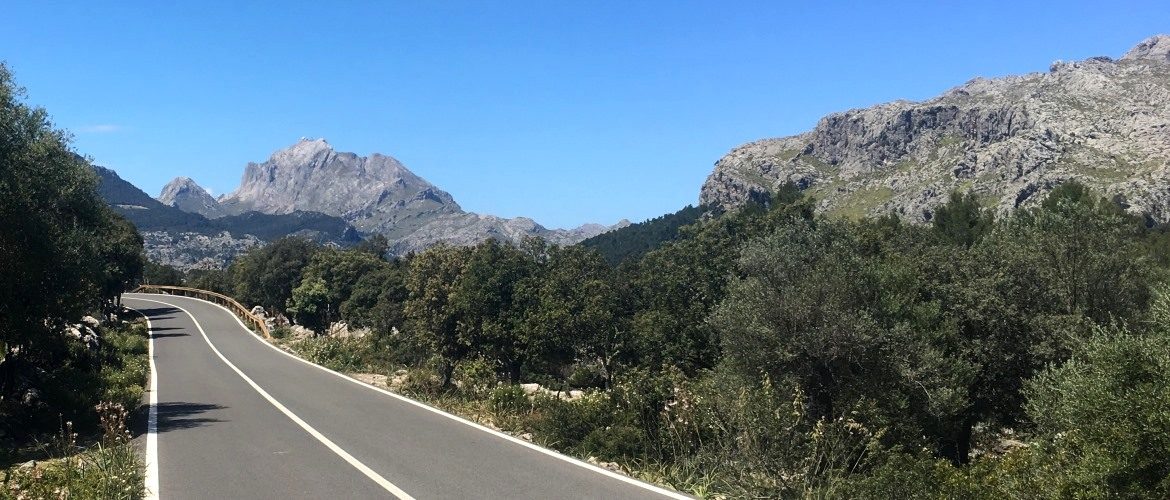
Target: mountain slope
[(1009, 140), (147, 214)]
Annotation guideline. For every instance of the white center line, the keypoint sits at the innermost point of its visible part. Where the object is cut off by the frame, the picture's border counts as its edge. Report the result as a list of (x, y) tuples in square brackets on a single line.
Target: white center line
[(357, 464)]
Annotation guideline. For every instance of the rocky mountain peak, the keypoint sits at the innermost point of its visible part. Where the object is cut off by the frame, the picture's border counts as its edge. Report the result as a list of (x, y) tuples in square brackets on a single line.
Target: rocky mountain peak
[(177, 185), (186, 195), (1155, 48), (303, 152), (375, 193)]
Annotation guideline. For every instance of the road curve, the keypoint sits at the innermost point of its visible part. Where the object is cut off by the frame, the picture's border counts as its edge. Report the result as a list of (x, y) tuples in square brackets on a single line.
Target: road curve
[(238, 418)]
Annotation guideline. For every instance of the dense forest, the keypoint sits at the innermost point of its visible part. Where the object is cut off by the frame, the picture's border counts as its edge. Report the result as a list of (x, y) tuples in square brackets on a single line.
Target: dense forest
[(775, 352)]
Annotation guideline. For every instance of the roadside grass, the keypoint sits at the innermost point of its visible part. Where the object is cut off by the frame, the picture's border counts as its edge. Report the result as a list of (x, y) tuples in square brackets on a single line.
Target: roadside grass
[(102, 471), (105, 464)]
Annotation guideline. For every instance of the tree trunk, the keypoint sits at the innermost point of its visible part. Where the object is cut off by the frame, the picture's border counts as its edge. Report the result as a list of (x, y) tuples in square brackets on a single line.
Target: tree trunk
[(607, 374), (958, 448), (514, 372), (821, 391), (448, 372)]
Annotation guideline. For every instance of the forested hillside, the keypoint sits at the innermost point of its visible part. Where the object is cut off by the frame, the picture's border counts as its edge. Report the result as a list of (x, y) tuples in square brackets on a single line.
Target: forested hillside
[(635, 240)]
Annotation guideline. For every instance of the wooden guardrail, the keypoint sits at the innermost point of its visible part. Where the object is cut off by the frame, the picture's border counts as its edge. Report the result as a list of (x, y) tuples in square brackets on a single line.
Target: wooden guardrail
[(242, 312)]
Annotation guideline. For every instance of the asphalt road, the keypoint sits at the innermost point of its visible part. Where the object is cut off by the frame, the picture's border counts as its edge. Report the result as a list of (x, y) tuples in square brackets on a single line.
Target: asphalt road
[(238, 418)]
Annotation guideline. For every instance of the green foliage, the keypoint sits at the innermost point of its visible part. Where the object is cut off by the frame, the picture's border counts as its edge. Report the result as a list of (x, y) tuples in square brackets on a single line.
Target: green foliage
[(485, 297), (126, 368), (309, 305), (507, 400), (215, 280), (1085, 250), (109, 469), (1103, 417), (431, 316), (962, 221), (1102, 421), (376, 300), (573, 310), (162, 274), (266, 276), (377, 245), (328, 284), (567, 424), (674, 288), (108, 472), (340, 354)]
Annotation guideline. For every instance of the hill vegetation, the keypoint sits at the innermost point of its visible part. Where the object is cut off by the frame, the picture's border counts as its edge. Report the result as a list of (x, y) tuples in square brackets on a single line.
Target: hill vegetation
[(634, 240), (774, 352)]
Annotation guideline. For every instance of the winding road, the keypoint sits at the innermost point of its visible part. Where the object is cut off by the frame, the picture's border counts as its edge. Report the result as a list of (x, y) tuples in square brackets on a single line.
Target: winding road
[(234, 417)]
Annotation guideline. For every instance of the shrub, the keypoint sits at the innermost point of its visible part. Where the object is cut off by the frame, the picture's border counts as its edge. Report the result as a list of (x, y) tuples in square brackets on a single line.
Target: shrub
[(508, 400), (565, 424), (344, 355), (476, 377), (620, 442), (281, 332), (1104, 416), (422, 382), (586, 375)]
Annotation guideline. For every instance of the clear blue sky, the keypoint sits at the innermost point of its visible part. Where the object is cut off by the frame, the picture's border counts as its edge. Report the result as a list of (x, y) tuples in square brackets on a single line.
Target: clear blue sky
[(567, 112)]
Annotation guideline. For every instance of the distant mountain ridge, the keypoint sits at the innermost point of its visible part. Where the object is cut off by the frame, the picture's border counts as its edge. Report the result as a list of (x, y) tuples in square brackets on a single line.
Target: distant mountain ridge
[(189, 240), (1009, 140), (376, 194)]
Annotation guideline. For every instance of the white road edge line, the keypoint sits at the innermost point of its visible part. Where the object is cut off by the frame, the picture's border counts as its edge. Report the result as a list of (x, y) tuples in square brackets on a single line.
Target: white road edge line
[(605, 472), (370, 473), (152, 492)]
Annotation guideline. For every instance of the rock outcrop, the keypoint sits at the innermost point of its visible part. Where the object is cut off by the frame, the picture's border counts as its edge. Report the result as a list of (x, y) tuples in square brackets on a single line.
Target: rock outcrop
[(465, 228), (1009, 140)]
